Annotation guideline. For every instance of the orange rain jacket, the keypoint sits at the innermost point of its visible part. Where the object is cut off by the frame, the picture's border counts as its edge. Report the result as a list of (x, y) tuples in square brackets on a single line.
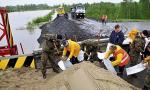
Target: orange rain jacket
[(121, 56)]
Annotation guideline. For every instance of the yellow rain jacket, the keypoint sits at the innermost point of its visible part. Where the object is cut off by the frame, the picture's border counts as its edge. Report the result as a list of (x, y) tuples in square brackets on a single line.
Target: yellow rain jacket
[(121, 56), (73, 48), (132, 34), (61, 10)]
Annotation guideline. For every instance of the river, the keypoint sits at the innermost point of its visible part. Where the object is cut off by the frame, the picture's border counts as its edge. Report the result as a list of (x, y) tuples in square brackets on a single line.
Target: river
[(28, 38)]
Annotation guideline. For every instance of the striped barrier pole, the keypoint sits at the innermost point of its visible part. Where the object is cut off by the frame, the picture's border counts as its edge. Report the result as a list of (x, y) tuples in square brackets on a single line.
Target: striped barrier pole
[(17, 61)]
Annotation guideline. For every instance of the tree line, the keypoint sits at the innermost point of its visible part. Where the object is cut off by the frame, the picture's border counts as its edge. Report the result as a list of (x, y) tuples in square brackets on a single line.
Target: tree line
[(128, 9), (27, 7)]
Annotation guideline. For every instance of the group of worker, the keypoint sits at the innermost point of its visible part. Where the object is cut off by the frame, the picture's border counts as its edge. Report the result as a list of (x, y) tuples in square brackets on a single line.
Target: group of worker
[(130, 51), (51, 50), (136, 50)]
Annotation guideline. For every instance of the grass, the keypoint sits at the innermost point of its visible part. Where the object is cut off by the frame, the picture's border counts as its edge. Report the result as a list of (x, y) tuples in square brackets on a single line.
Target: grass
[(39, 20)]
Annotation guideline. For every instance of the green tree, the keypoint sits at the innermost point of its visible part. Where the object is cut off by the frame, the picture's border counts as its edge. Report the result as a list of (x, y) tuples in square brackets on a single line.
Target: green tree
[(145, 9), (27, 7)]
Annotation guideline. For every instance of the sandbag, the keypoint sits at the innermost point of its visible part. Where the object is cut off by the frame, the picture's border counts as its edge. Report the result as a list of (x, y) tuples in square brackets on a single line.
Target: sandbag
[(109, 66), (64, 64), (80, 56), (135, 69)]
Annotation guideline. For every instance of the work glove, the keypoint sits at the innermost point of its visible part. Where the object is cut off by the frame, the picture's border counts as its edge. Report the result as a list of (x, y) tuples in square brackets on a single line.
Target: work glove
[(145, 63), (64, 58), (68, 59)]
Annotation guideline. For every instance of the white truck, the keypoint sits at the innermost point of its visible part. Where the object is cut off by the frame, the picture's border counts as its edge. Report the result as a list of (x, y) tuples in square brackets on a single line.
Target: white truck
[(78, 12)]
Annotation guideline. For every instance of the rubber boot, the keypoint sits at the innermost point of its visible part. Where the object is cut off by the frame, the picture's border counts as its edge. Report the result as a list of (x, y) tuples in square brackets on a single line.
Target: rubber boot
[(120, 74), (57, 70), (145, 88), (44, 74), (134, 76)]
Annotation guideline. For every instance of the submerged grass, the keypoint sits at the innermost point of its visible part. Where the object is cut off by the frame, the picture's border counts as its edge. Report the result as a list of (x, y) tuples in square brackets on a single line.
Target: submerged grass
[(39, 20)]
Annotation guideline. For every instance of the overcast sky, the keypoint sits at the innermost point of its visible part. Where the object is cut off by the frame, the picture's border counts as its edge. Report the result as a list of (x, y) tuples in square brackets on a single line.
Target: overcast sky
[(51, 2)]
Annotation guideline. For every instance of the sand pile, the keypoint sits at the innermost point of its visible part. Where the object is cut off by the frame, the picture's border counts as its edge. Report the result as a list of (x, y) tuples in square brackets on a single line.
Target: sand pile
[(83, 76), (86, 76), (22, 79)]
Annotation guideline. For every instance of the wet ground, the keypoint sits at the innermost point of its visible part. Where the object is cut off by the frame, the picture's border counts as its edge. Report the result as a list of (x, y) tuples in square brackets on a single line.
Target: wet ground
[(97, 28)]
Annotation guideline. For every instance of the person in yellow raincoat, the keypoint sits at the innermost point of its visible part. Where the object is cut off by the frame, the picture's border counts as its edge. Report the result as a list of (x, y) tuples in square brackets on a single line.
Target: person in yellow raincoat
[(132, 34), (130, 38), (72, 48), (121, 57)]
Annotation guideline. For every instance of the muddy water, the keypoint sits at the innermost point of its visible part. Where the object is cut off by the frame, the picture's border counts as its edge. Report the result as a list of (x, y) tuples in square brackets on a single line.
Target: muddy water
[(28, 38)]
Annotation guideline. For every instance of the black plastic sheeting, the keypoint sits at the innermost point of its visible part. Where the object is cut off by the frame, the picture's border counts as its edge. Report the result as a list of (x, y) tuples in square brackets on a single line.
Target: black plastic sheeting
[(64, 27)]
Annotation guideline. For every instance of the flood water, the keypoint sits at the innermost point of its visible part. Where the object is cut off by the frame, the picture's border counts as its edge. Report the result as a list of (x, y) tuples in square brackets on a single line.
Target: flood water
[(28, 38)]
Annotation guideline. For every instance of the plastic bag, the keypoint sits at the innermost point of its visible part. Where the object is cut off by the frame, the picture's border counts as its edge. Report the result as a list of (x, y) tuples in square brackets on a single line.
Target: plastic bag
[(64, 64), (135, 69), (81, 56), (109, 66)]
